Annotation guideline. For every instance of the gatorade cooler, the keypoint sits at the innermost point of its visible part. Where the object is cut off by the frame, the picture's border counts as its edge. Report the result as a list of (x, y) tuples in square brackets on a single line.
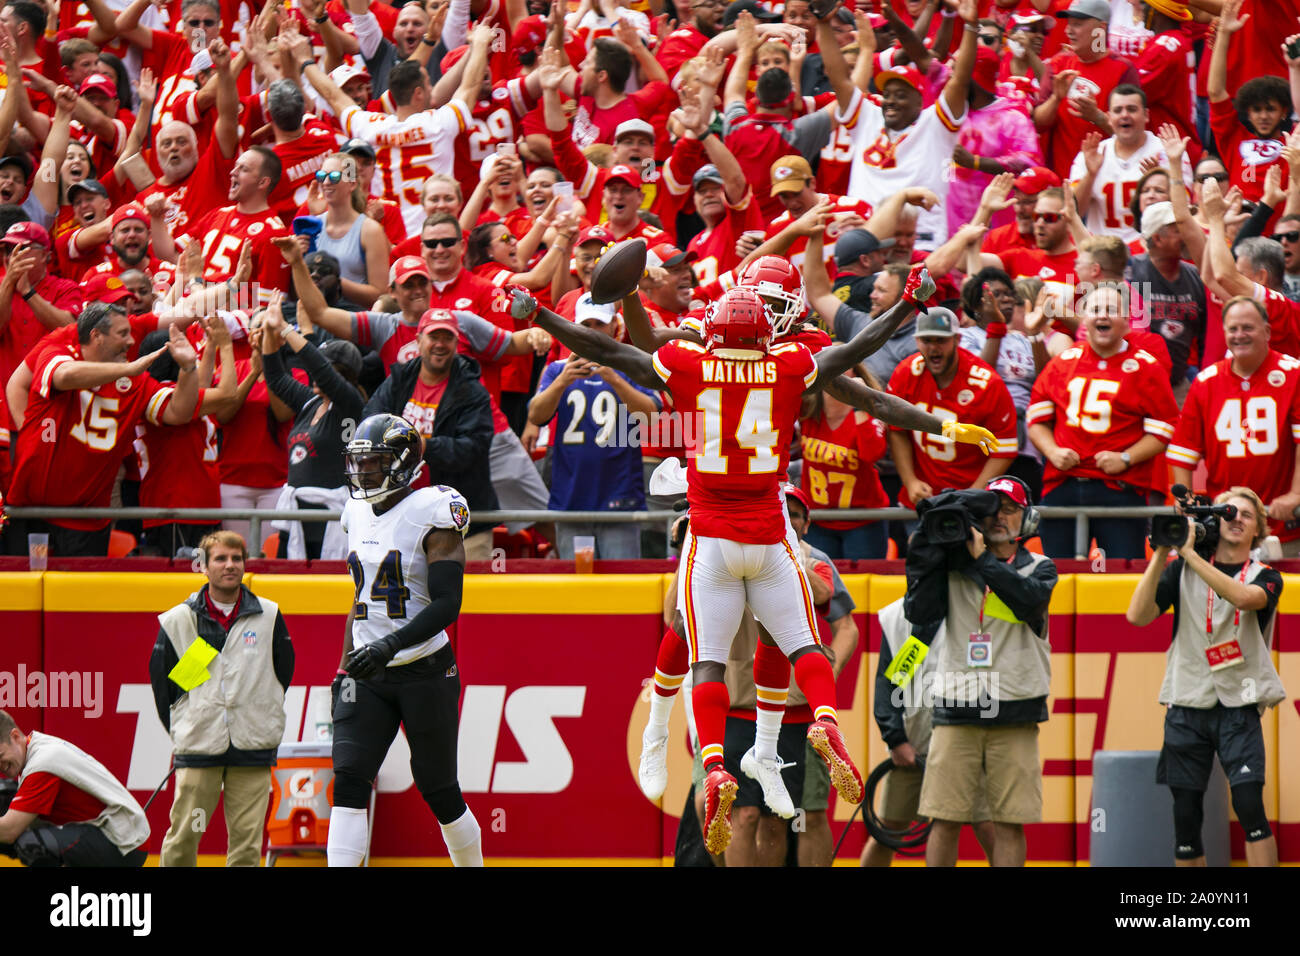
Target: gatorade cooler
[(301, 799)]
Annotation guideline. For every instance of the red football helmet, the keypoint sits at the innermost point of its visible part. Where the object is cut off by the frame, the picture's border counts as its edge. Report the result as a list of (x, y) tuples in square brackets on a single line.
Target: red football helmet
[(781, 285), (738, 325)]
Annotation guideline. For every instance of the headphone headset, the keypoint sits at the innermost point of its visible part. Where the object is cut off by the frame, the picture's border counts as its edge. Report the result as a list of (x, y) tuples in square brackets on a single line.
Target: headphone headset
[(1031, 518)]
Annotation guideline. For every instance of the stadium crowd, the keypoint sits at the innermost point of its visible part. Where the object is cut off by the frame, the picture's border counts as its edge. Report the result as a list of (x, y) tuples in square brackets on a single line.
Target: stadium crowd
[(227, 234)]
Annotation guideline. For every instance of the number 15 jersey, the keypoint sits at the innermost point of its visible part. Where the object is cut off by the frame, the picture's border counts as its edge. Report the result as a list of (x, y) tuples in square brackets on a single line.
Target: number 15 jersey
[(388, 566), (743, 414)]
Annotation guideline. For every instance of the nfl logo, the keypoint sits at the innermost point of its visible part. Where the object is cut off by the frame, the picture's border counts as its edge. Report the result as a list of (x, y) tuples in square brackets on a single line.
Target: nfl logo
[(250, 638)]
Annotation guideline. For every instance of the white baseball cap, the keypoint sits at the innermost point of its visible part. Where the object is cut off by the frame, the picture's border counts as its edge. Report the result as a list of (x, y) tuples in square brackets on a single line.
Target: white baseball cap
[(587, 309)]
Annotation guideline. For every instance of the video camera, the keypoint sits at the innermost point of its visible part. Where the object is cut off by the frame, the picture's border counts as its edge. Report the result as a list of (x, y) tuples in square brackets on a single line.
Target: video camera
[(1170, 531), (947, 518)]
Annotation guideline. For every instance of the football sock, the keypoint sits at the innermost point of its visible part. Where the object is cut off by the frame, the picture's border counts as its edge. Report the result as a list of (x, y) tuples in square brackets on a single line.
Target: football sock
[(710, 701), (813, 674), (670, 670), (347, 837), (464, 840), (772, 683)]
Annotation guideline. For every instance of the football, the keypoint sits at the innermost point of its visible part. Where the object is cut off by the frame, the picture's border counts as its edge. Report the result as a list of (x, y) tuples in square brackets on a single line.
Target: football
[(618, 271)]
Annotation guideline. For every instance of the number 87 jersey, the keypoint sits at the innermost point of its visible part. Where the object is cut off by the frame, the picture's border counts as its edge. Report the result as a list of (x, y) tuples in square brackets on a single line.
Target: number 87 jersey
[(742, 414), (388, 566)]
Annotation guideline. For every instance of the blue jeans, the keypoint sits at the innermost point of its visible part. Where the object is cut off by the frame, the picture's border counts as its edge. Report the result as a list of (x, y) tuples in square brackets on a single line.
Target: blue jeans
[(865, 541), (1116, 537)]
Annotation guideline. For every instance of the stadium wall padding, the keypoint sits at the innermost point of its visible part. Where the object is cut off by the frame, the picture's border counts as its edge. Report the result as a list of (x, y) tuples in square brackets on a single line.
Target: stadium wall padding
[(555, 672)]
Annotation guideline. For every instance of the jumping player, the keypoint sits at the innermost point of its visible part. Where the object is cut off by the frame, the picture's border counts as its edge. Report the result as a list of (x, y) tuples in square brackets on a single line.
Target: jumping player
[(407, 561), (741, 549)]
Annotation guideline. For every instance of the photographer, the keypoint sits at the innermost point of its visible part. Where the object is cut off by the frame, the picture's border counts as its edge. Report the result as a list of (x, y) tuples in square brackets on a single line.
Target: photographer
[(968, 570), (1219, 676)]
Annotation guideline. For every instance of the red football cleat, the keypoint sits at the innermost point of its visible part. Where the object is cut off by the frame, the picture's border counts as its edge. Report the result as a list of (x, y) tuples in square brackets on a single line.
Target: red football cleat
[(827, 740), (720, 790)]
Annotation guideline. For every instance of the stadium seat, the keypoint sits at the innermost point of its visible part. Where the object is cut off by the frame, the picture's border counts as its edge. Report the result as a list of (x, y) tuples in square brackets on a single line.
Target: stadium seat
[(120, 544)]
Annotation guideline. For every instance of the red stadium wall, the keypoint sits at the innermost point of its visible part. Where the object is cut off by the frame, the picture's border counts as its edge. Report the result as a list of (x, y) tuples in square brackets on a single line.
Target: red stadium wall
[(555, 670)]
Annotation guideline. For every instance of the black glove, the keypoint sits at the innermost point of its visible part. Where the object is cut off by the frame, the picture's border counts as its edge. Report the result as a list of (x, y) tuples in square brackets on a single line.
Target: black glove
[(370, 659)]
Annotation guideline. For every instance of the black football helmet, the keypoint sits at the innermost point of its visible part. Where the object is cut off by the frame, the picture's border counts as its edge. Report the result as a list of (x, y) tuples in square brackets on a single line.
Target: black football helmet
[(382, 457)]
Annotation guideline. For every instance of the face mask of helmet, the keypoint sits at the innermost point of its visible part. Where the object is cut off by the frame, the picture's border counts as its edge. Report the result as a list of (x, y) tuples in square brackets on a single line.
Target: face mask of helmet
[(381, 459)]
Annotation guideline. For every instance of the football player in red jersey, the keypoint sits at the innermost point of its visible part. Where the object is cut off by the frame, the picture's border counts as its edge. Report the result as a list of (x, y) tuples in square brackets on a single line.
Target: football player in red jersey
[(1242, 416), (1100, 412), (94, 398), (747, 392)]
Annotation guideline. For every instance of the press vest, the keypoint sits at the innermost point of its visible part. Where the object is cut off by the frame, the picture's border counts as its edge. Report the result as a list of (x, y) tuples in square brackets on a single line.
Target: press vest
[(242, 702), (917, 695), (1189, 682)]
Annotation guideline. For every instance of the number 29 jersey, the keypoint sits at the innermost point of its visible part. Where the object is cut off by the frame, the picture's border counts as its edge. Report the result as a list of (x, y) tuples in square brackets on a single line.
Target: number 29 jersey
[(744, 413), (388, 566)]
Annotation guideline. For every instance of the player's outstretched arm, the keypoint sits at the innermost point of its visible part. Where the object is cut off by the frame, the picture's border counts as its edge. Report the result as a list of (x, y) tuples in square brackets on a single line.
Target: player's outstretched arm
[(444, 550), (643, 335), (589, 343), (838, 359)]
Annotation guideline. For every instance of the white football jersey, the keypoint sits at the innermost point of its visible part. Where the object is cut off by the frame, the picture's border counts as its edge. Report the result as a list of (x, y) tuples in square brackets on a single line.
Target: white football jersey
[(387, 563), (409, 151), (1115, 185)]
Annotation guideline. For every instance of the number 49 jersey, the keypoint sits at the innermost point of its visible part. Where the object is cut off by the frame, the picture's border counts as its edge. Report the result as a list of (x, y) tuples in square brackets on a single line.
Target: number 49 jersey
[(1246, 429), (744, 414), (388, 567)]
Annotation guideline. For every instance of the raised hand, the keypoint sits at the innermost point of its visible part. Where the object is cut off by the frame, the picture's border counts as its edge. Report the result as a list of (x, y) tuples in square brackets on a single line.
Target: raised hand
[(1232, 19), (147, 88), (997, 194), (180, 348)]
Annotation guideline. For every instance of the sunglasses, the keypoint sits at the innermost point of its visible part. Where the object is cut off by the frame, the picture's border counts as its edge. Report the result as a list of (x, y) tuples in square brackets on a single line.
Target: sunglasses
[(446, 243), (1287, 236), (201, 23), (1047, 217), (989, 39), (1217, 177), (506, 237), (324, 177)]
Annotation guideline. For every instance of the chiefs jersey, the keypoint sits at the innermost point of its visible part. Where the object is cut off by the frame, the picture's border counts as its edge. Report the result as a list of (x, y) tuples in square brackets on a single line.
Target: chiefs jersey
[(715, 248), (746, 412), (93, 430), (1244, 427), (178, 465), (1094, 404), (844, 207), (839, 464), (492, 122), (976, 396), (409, 151), (199, 193), (223, 233), (299, 160), (388, 565)]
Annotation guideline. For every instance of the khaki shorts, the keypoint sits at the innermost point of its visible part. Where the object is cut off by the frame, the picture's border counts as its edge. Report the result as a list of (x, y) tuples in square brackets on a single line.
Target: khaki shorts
[(963, 755), (900, 797)]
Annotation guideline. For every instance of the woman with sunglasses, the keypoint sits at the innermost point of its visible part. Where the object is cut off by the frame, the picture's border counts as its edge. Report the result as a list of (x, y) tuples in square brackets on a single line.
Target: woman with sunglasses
[(356, 240)]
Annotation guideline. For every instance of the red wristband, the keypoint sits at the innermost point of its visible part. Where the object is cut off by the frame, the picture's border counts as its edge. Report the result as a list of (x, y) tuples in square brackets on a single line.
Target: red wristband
[(997, 330)]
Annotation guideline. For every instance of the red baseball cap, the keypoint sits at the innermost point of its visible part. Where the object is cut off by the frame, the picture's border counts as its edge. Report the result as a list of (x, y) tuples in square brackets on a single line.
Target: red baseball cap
[(22, 233), (1011, 488), (408, 266), (436, 319), (528, 34), (667, 255), (1035, 179), (907, 73), (453, 57), (877, 21), (795, 492), (595, 234), (99, 83), (129, 211), (105, 287), (626, 173)]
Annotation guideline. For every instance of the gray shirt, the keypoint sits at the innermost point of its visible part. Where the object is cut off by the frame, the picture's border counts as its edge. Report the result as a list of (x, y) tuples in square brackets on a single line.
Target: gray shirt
[(881, 363)]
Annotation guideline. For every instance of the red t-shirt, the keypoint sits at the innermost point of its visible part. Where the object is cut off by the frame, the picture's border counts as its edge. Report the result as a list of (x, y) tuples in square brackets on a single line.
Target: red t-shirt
[(1163, 71), (254, 452), (422, 407), (591, 124), (1094, 404), (178, 465), (716, 247), (734, 488), (839, 464), (678, 47), (55, 800), (94, 430), (1037, 264), (1095, 79), (1247, 157), (493, 121), (1245, 428), (1003, 239), (975, 396)]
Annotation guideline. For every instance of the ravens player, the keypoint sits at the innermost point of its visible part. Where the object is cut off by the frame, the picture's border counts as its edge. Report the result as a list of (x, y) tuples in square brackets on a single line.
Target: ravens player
[(407, 560)]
